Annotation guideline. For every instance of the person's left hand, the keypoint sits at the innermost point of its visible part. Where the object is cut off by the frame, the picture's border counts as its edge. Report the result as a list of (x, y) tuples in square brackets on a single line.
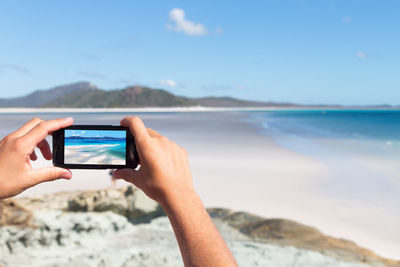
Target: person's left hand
[(17, 150)]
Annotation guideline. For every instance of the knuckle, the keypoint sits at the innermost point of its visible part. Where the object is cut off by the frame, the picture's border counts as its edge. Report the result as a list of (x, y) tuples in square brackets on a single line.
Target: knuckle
[(128, 118), (6, 139), (53, 174), (135, 120), (42, 125), (36, 120), (19, 144)]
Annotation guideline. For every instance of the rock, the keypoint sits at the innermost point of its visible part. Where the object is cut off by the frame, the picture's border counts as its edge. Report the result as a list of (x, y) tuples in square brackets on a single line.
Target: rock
[(129, 202), (219, 212), (285, 232), (123, 227), (11, 213), (280, 229), (234, 219)]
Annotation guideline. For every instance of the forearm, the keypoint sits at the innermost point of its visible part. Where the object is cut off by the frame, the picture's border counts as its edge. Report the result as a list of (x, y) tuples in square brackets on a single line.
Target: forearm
[(164, 175), (199, 240)]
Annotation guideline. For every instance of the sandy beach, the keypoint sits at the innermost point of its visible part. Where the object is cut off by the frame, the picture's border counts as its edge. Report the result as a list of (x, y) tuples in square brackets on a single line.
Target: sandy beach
[(235, 166)]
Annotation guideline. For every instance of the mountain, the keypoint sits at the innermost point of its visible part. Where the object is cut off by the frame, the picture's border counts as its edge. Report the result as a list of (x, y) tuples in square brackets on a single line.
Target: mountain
[(135, 96), (40, 98), (87, 95), (122, 227)]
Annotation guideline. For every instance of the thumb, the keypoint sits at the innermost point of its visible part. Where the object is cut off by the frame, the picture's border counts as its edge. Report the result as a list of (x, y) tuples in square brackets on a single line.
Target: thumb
[(50, 174), (129, 175)]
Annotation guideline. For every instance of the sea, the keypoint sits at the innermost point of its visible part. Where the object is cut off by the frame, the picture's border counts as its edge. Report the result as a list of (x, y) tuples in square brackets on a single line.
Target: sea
[(379, 125), (361, 148)]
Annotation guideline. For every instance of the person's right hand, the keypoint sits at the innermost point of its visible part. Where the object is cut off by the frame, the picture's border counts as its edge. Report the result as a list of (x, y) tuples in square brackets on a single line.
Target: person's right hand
[(164, 166), (164, 175)]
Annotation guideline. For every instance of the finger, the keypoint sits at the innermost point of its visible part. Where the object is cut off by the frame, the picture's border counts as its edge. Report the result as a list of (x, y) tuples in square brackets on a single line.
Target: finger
[(49, 174), (26, 127), (42, 129), (137, 128), (45, 149), (129, 175), (33, 156), (153, 133)]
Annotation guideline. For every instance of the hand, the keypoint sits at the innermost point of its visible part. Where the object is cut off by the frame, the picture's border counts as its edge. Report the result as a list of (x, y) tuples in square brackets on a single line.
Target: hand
[(16, 151), (164, 175), (164, 166)]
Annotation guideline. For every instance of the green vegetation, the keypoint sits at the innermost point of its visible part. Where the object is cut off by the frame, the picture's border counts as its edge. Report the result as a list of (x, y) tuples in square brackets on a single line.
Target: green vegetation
[(86, 95)]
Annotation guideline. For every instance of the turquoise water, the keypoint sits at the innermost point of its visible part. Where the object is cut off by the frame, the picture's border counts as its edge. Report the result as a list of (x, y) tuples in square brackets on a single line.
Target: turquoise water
[(367, 131), (365, 124)]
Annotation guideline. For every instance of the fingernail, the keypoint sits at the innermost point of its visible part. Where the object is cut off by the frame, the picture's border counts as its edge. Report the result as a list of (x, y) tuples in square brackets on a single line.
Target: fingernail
[(66, 175)]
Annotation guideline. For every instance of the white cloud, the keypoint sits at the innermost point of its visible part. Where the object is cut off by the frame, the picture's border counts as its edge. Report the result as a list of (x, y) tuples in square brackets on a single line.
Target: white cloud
[(180, 24), (361, 55), (169, 83)]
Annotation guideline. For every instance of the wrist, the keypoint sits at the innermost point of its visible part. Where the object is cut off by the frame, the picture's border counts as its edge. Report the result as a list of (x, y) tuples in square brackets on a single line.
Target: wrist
[(171, 201)]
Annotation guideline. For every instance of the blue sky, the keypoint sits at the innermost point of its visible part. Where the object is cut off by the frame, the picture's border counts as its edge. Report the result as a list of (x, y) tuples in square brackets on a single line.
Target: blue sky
[(344, 52), (95, 133)]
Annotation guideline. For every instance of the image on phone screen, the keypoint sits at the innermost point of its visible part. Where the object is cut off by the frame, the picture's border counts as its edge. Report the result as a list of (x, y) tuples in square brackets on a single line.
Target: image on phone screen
[(95, 147)]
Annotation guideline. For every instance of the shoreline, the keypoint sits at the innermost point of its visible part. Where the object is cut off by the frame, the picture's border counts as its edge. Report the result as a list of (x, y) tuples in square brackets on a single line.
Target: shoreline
[(187, 109)]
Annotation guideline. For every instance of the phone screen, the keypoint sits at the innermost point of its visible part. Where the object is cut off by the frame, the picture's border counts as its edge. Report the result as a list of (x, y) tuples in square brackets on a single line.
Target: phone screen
[(106, 147)]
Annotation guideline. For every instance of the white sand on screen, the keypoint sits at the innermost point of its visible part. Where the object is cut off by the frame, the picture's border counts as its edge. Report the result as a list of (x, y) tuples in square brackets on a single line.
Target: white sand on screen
[(97, 155)]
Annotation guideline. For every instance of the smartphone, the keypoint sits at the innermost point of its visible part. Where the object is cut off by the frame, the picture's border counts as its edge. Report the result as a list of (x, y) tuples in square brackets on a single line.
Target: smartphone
[(94, 147)]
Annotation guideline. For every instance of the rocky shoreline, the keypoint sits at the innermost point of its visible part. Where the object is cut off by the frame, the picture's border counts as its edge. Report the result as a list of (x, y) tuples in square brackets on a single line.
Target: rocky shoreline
[(122, 227)]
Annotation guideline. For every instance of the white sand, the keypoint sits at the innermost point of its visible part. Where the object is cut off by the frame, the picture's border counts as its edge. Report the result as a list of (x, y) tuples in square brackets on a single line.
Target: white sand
[(74, 155), (235, 167)]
